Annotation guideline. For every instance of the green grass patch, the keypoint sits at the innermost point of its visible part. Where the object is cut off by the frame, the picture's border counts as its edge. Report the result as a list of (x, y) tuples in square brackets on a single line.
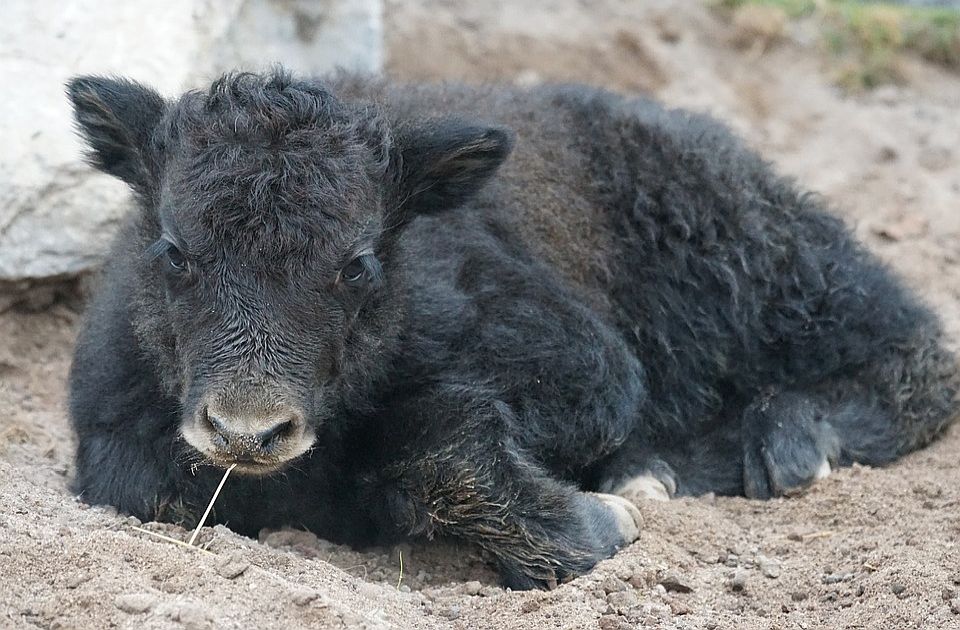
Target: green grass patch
[(868, 40)]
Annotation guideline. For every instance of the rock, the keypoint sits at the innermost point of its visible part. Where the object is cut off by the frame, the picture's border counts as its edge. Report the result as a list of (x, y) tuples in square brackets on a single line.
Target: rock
[(529, 606), (192, 615), (57, 215), (836, 578), (675, 583), (738, 582), (769, 567), (232, 566), (450, 612), (611, 584), (935, 158), (76, 580), (623, 600), (955, 606), (678, 607), (302, 596), (472, 587), (612, 622), (135, 603), (708, 555), (288, 538), (898, 589), (906, 227), (887, 153)]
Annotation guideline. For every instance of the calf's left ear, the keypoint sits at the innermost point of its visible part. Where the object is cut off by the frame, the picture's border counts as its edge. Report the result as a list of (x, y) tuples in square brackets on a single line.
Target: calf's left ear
[(440, 165)]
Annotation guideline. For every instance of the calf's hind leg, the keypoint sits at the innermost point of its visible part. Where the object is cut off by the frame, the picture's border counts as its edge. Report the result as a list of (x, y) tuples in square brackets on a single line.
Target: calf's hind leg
[(469, 480), (903, 399)]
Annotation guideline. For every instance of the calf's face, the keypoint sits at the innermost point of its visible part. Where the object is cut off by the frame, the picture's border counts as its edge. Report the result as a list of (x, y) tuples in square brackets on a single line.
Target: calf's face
[(270, 216)]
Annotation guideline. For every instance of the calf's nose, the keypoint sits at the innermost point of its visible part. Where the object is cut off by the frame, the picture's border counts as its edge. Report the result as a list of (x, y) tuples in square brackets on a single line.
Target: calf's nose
[(248, 441)]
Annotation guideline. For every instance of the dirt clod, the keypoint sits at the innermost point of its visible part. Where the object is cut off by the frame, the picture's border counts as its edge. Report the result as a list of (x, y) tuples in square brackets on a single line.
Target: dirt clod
[(232, 566), (135, 603)]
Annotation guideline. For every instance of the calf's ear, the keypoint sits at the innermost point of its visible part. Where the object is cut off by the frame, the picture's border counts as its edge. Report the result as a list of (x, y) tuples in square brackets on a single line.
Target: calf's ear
[(441, 164), (117, 118)]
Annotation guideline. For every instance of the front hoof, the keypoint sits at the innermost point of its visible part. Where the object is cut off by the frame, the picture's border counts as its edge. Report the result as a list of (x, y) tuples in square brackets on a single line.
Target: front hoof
[(626, 515)]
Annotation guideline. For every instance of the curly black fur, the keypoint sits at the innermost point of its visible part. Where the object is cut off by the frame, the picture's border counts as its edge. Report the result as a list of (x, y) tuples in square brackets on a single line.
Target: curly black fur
[(582, 289)]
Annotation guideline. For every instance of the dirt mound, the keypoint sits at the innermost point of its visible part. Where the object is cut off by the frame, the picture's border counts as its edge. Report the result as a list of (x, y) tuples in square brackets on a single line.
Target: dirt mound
[(865, 548)]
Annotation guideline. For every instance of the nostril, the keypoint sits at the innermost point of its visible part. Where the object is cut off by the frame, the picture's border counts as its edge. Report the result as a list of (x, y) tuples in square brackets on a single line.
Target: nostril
[(275, 433), (221, 433)]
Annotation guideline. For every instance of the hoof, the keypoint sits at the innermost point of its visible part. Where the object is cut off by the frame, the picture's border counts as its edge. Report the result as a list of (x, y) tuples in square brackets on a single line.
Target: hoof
[(643, 487), (626, 514)]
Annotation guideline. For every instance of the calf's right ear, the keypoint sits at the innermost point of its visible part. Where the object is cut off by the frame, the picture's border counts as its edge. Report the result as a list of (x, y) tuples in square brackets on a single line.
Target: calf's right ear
[(117, 118)]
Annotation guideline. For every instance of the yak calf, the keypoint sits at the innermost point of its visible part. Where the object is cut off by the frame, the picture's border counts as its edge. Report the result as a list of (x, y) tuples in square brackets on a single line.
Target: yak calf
[(479, 313)]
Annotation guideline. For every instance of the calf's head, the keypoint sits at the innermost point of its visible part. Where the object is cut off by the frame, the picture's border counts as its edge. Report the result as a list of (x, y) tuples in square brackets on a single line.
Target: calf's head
[(262, 254)]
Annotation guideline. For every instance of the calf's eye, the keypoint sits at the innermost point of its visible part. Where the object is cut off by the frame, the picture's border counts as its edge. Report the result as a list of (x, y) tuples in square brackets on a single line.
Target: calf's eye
[(355, 272), (176, 259)]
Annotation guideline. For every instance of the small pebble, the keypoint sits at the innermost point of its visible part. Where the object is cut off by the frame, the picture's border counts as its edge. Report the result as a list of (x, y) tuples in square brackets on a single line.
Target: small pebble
[(135, 603), (192, 615), (303, 596), (623, 600), (529, 606), (76, 580), (769, 567), (836, 578), (675, 583), (898, 589), (472, 587), (887, 153), (611, 584), (232, 566), (708, 555), (612, 622), (955, 606), (935, 158), (738, 583), (678, 607), (450, 612)]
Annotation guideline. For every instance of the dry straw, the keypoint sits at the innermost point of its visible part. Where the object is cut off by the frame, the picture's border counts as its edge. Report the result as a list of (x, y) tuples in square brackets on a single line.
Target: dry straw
[(203, 519)]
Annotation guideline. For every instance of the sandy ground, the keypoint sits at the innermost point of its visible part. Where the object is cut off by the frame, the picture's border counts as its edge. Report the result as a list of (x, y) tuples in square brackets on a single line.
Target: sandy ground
[(863, 549)]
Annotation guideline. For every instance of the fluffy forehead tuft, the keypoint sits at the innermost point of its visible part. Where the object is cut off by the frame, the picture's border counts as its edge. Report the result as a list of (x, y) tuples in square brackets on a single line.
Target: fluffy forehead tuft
[(273, 162)]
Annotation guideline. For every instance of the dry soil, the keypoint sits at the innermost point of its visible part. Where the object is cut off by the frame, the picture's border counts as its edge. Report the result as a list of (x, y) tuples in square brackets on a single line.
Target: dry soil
[(865, 548)]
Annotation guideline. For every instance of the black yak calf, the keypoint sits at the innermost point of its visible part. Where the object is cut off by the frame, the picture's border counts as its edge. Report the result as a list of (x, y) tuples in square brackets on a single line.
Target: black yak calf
[(479, 313)]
